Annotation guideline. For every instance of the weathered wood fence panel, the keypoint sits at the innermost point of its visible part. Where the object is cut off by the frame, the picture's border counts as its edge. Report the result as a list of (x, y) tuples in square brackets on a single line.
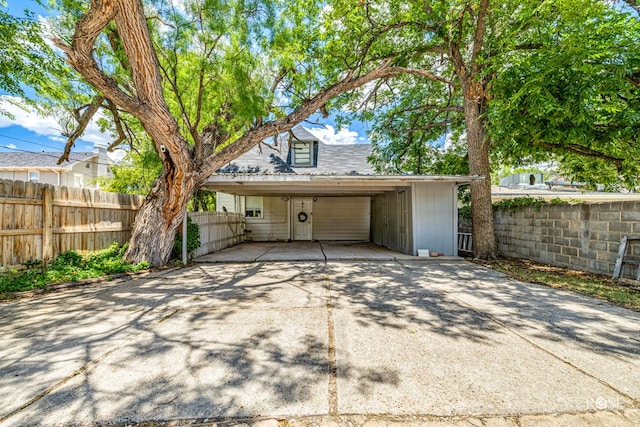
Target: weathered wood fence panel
[(40, 221), (218, 230)]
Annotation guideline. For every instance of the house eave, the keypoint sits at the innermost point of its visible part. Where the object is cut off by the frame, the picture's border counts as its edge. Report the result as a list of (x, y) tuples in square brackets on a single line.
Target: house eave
[(32, 168), (310, 184)]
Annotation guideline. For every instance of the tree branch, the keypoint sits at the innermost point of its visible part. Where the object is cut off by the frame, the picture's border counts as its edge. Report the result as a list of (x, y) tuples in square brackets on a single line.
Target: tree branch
[(478, 36), (83, 121), (149, 105), (118, 123), (421, 73), (284, 124), (80, 52), (430, 126), (583, 151), (634, 4)]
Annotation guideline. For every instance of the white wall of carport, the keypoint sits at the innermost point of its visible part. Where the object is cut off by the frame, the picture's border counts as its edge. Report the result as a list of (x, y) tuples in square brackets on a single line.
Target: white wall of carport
[(434, 217), (228, 202), (341, 218), (333, 218), (274, 224)]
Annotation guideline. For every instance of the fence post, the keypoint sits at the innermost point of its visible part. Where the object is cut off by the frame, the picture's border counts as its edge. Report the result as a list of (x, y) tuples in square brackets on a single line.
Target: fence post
[(184, 236), (47, 223)]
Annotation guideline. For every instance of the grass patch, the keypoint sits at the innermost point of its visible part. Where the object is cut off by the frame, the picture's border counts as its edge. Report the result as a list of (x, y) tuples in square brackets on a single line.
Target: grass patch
[(69, 266), (594, 285)]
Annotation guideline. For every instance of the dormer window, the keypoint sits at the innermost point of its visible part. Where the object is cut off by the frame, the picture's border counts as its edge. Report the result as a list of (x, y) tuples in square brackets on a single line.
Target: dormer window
[(302, 153)]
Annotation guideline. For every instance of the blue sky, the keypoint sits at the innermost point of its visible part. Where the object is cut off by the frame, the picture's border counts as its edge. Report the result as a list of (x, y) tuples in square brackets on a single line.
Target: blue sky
[(29, 132), (26, 130)]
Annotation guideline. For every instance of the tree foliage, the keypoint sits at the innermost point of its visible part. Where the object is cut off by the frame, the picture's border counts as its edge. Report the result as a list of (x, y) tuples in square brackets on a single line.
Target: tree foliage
[(575, 97), (135, 173), (205, 80), (28, 65)]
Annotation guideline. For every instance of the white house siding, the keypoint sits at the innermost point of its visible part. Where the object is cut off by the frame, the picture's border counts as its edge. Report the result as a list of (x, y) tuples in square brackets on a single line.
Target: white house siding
[(274, 225), (434, 217), (342, 218), (14, 175), (46, 177), (228, 201)]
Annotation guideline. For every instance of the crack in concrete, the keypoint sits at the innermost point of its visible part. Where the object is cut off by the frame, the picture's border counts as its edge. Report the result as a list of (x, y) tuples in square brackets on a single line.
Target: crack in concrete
[(331, 350)]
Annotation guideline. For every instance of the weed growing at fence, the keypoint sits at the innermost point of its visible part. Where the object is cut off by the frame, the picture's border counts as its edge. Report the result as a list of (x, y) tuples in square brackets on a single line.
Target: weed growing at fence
[(69, 266)]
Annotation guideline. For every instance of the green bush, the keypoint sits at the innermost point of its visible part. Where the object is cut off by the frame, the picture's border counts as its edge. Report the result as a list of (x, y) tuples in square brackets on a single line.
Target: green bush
[(69, 266), (193, 239), (517, 203)]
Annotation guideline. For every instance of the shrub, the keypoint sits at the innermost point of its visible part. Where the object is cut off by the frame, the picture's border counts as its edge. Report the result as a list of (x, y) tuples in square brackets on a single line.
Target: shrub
[(69, 266), (193, 239)]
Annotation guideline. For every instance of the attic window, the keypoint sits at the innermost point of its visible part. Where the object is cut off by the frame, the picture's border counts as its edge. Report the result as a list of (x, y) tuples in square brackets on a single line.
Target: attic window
[(302, 153), (34, 176)]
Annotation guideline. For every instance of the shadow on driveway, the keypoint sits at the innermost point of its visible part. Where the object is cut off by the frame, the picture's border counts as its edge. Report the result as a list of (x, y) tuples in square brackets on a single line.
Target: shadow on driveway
[(289, 339)]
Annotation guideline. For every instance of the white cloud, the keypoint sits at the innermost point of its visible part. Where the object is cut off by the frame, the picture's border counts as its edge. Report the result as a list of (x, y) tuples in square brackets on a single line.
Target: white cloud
[(11, 146), (116, 155), (44, 125), (329, 135), (27, 119)]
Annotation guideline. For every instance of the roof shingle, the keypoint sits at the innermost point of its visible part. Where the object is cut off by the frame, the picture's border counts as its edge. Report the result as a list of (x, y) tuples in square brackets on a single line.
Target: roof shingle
[(331, 159), (45, 159)]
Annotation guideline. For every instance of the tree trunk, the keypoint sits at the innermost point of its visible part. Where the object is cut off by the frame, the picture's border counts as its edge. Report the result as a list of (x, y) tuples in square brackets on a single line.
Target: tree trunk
[(159, 218), (484, 238)]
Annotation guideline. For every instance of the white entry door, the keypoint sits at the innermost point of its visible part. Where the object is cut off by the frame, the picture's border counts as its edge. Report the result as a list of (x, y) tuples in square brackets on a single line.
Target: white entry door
[(302, 225)]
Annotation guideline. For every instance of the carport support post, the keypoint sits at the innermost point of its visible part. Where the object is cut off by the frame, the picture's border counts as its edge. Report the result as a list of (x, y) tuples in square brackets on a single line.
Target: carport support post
[(184, 238)]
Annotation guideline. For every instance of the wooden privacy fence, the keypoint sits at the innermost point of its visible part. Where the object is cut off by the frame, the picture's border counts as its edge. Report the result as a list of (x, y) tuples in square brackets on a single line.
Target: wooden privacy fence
[(40, 221), (218, 230)]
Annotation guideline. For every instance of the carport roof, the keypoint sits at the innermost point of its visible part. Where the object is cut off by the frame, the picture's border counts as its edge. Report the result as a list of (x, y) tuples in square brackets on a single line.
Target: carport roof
[(311, 184)]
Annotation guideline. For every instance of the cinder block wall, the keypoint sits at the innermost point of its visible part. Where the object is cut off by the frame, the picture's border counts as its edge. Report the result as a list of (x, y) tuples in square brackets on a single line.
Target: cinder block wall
[(582, 236)]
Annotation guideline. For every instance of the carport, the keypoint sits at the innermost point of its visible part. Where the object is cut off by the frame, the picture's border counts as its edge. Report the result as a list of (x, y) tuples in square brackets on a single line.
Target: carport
[(403, 213)]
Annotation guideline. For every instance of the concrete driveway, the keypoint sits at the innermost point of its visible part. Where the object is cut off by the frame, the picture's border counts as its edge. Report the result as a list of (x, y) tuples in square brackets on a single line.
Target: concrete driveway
[(319, 343), (307, 251)]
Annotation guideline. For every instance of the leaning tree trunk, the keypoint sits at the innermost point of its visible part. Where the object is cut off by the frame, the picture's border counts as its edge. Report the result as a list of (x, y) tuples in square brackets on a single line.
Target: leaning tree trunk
[(484, 238), (159, 218)]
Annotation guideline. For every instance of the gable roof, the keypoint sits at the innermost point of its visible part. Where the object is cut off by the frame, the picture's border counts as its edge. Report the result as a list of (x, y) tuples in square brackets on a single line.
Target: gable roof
[(329, 159), (40, 160)]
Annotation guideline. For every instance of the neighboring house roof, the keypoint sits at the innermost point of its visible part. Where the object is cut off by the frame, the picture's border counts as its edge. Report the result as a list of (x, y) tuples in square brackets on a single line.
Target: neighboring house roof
[(41, 160), (329, 159)]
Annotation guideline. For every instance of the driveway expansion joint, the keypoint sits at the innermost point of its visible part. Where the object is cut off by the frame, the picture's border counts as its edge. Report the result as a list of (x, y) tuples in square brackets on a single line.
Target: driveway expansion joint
[(331, 349)]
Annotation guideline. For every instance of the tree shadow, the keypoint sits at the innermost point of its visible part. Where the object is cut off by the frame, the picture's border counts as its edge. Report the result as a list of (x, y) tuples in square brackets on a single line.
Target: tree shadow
[(536, 310), (391, 297), (238, 340), (209, 341)]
